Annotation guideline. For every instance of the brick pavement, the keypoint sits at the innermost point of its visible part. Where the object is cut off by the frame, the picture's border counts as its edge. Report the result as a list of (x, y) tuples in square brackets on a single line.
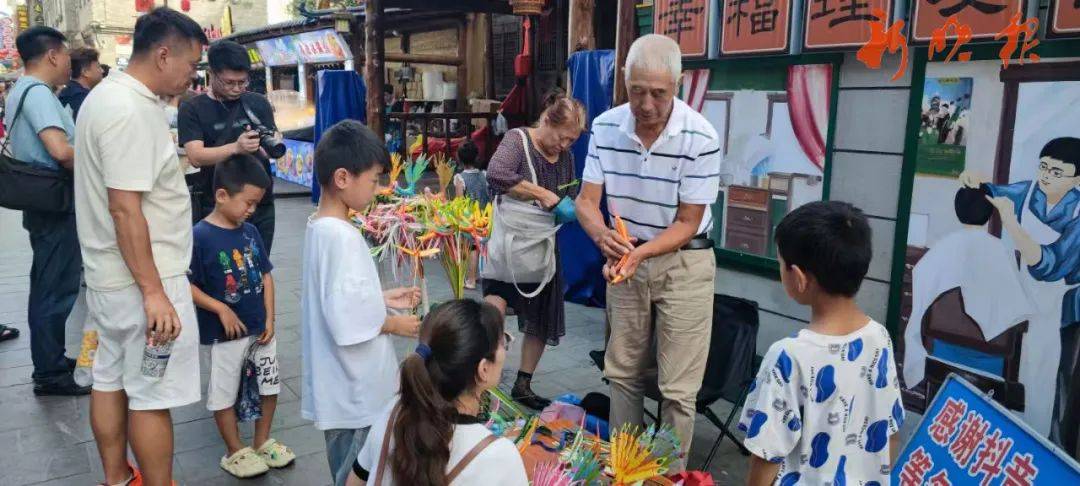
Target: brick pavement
[(48, 440)]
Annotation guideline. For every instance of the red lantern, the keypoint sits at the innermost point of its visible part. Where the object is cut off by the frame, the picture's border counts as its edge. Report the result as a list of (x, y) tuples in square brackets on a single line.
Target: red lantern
[(185, 5), (144, 5)]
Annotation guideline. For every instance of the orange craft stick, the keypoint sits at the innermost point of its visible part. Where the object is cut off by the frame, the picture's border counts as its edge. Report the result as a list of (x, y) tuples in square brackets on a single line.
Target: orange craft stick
[(620, 226)]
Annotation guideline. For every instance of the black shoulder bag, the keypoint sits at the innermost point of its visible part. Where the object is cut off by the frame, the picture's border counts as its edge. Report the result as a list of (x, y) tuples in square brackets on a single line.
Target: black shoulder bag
[(31, 187)]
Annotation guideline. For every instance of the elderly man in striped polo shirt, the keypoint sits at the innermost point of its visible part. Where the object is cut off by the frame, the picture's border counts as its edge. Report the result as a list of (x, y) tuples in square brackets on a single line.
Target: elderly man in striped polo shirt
[(659, 161)]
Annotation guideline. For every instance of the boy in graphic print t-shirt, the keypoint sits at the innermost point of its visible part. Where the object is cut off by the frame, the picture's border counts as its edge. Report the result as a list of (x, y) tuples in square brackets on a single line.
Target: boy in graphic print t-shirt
[(234, 295), (825, 406)]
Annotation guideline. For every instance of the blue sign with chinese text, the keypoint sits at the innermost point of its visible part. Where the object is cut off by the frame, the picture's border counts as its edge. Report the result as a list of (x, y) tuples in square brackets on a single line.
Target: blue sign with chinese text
[(966, 438)]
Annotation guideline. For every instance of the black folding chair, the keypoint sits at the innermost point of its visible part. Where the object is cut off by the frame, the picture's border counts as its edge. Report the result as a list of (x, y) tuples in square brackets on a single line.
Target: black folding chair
[(729, 368)]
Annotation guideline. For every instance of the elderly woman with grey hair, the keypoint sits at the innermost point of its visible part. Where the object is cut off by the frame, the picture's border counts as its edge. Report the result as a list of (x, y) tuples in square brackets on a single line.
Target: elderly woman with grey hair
[(545, 147), (659, 162)]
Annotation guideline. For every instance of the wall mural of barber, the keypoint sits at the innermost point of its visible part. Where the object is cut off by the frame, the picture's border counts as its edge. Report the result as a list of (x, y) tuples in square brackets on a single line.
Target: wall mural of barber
[(998, 300)]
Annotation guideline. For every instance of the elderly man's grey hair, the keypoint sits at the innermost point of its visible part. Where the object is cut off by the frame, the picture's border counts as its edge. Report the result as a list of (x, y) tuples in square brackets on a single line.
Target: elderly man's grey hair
[(654, 53)]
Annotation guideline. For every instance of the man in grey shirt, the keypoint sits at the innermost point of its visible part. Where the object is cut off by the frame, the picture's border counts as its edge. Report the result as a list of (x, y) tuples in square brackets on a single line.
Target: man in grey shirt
[(42, 135)]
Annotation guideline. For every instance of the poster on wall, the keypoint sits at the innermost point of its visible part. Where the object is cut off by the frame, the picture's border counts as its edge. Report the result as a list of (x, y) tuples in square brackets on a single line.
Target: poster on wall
[(321, 46), (774, 156), (992, 264), (254, 56), (946, 108), (278, 51), (297, 163), (8, 53), (22, 18)]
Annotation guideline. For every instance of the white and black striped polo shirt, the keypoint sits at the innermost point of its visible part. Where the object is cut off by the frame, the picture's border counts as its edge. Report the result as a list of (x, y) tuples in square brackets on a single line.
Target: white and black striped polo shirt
[(645, 187)]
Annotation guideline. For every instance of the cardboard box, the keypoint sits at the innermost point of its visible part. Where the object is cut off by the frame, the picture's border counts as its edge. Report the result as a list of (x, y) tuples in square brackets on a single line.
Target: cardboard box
[(483, 106)]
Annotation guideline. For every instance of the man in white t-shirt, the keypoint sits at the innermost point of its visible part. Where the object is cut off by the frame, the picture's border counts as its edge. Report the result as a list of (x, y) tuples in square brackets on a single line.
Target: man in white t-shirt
[(350, 369), (134, 222)]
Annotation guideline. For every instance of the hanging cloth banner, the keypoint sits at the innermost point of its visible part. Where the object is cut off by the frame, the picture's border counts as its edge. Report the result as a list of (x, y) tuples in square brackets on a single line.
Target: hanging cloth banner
[(592, 81)]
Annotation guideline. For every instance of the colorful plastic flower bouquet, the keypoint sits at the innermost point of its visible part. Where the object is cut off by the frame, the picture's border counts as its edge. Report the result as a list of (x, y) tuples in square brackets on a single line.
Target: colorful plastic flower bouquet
[(406, 226)]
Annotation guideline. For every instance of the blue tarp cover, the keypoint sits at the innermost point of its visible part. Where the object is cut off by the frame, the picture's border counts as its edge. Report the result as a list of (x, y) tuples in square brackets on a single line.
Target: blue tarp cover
[(341, 96), (592, 81)]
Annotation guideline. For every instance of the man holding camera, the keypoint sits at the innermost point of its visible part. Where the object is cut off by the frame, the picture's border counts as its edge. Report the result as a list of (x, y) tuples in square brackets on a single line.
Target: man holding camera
[(225, 121)]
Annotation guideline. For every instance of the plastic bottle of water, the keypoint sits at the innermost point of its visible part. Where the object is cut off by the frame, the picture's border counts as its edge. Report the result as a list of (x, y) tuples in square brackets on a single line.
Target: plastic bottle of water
[(85, 362)]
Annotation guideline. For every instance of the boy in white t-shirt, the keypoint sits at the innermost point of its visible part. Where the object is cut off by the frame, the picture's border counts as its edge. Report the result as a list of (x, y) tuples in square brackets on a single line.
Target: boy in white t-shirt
[(825, 406), (350, 370)]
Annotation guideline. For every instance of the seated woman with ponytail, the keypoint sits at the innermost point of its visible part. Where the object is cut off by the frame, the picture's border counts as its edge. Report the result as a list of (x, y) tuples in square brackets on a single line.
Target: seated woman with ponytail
[(460, 356)]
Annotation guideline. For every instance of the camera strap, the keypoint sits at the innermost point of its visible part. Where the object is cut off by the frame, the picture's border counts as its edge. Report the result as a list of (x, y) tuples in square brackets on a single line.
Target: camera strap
[(250, 114), (224, 134)]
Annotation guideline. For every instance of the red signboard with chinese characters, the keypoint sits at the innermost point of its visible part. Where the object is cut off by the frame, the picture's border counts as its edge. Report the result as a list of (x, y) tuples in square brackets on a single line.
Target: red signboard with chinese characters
[(755, 26), (841, 23), (985, 17), (686, 21), (1065, 18)]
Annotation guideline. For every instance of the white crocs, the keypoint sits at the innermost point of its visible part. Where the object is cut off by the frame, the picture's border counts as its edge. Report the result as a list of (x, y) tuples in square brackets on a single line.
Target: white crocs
[(245, 463), (275, 454)]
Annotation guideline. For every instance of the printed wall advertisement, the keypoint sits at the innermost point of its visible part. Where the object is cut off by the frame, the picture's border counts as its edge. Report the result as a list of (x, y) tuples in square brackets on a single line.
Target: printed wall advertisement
[(8, 53), (321, 46), (297, 164), (318, 46), (992, 264), (946, 108), (965, 438), (774, 156), (22, 17), (278, 51), (254, 56)]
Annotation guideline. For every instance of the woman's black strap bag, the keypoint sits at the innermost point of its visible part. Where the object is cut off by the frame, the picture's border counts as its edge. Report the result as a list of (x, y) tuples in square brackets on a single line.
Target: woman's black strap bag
[(31, 187)]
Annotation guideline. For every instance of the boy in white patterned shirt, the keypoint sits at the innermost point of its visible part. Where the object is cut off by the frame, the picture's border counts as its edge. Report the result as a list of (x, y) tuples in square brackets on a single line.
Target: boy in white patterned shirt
[(825, 406)]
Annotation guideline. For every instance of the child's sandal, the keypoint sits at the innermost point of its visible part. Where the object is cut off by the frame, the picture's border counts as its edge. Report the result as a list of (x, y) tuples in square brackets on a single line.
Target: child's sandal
[(275, 454)]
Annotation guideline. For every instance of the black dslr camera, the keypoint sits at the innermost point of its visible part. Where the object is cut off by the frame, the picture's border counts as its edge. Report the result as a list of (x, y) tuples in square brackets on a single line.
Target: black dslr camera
[(269, 142)]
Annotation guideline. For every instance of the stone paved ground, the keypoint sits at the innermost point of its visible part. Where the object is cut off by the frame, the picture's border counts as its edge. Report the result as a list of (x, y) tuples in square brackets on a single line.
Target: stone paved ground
[(48, 440)]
